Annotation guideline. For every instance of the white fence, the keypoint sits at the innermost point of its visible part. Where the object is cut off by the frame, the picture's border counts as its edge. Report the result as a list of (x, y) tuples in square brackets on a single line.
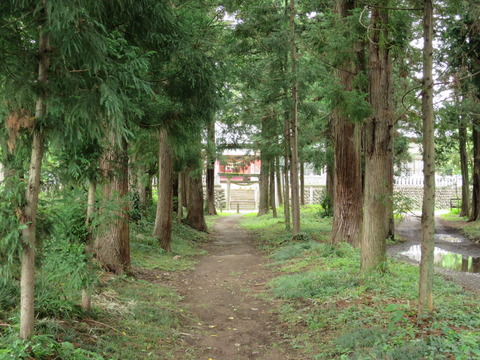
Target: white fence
[(440, 181)]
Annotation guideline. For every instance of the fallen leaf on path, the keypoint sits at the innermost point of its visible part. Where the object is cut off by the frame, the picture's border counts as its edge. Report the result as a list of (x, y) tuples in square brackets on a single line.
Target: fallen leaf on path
[(231, 318), (254, 309)]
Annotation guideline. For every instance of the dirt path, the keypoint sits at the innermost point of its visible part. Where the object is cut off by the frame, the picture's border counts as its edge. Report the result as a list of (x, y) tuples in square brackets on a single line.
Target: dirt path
[(448, 239), (229, 320)]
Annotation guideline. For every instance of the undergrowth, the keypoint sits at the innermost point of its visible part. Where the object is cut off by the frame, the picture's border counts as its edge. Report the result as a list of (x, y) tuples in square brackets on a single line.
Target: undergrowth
[(334, 311), (134, 316)]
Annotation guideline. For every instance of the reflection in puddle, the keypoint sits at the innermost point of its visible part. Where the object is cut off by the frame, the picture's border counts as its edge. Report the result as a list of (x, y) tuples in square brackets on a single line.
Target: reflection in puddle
[(446, 259), (448, 238)]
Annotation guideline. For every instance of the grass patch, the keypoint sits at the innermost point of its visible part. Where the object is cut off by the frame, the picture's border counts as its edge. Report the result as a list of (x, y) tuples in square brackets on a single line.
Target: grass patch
[(470, 229), (146, 253), (334, 311), (133, 317)]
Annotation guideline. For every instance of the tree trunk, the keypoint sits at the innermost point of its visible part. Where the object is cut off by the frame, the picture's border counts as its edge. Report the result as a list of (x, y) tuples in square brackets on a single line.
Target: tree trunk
[(86, 293), (294, 129), (272, 189), (330, 187), (462, 139), (181, 179), (29, 220), (302, 183), (163, 220), (29, 213), (211, 169), (279, 181), (475, 214), (264, 175), (428, 209), (112, 245), (286, 171), (195, 216), (348, 197), (142, 188), (186, 189), (148, 189), (377, 145)]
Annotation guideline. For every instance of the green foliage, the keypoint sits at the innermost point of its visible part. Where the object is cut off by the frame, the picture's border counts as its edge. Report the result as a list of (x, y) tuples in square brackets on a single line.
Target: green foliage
[(147, 253), (52, 301), (11, 200), (44, 347), (314, 285), (402, 204), (64, 261), (361, 338), (363, 316), (327, 205), (291, 251)]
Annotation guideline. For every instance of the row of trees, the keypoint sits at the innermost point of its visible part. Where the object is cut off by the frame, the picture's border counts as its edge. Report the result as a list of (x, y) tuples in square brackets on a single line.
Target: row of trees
[(107, 94), (92, 89), (346, 74)]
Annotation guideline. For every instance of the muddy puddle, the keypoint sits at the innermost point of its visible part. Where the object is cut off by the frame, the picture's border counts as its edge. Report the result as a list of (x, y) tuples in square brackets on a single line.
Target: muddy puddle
[(447, 259)]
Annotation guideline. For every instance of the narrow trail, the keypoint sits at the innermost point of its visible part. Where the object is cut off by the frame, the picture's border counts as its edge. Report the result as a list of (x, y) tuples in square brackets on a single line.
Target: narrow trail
[(229, 320)]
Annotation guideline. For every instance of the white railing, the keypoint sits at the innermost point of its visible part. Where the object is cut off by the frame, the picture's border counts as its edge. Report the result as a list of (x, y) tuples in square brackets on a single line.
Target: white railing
[(316, 179), (440, 181)]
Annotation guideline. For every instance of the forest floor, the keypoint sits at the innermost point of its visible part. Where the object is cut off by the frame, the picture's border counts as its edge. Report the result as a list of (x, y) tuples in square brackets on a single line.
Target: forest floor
[(229, 319), (448, 240), (230, 315)]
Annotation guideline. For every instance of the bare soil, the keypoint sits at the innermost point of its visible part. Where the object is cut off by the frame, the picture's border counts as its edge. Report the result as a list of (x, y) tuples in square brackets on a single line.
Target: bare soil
[(409, 231), (229, 319)]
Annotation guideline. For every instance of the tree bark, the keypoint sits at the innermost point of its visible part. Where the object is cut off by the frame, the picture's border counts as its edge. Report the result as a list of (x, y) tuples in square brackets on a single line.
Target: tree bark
[(302, 183), (377, 146), (348, 197), (264, 176), (181, 179), (148, 188), (294, 127), (29, 213), (29, 220), (211, 169), (428, 209), (475, 214), (330, 185), (272, 189), (86, 293), (286, 171), (186, 189), (279, 181), (112, 245), (164, 217), (142, 188), (195, 216), (462, 139)]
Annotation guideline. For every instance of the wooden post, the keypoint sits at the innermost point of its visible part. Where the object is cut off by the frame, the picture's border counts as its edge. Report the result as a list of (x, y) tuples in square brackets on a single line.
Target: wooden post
[(228, 192)]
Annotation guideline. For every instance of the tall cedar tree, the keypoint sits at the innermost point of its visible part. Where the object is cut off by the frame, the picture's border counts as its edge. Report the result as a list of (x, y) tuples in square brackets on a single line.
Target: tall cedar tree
[(378, 144), (348, 194), (428, 209), (29, 212), (211, 151), (294, 127), (112, 244), (163, 224)]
